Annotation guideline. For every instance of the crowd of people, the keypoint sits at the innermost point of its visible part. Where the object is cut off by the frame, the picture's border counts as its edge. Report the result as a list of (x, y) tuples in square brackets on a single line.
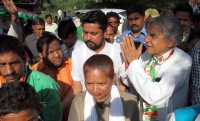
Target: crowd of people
[(148, 72)]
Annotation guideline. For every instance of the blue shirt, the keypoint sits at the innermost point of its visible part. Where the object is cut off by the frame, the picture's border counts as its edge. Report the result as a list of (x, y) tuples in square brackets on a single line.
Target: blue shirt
[(195, 75), (69, 15), (140, 38)]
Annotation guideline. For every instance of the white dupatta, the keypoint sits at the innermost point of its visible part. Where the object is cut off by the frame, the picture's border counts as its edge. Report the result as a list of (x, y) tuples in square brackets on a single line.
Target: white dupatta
[(116, 107)]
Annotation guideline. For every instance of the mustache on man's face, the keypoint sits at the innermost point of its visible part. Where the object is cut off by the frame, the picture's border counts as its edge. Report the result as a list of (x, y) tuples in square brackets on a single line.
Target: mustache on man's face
[(87, 41), (12, 74), (133, 25)]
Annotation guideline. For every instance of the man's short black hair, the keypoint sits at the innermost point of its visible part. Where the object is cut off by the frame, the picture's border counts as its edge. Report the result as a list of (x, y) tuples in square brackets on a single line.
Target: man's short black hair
[(183, 7), (77, 13), (135, 9), (45, 39), (48, 15), (65, 28), (114, 28), (38, 21), (96, 16), (11, 44), (114, 15), (17, 96), (137, 44)]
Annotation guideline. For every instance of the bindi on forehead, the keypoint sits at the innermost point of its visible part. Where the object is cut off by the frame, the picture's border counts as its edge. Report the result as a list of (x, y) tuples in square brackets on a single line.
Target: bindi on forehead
[(54, 45)]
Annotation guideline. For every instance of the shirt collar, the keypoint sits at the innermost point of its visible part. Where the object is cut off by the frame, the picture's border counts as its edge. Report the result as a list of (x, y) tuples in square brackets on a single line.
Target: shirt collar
[(143, 31), (72, 48), (165, 56), (41, 65), (47, 24), (64, 63), (74, 45), (187, 32), (34, 37)]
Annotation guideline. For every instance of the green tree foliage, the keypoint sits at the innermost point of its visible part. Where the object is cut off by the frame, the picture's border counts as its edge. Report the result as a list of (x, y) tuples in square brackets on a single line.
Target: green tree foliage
[(125, 3), (52, 6), (64, 5)]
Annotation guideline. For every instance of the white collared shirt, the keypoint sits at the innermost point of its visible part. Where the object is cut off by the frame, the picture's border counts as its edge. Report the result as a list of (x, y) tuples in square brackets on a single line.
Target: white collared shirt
[(82, 53), (171, 91), (53, 28)]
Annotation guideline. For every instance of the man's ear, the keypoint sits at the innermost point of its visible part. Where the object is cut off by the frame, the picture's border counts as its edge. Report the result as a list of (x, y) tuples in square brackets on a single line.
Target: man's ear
[(145, 18), (114, 77), (105, 31), (33, 27), (171, 42), (40, 54), (75, 32)]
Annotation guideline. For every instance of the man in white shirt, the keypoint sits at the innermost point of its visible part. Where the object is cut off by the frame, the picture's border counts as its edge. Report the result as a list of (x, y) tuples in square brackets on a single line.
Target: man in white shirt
[(161, 74), (94, 27), (67, 32), (76, 19), (60, 14), (50, 26)]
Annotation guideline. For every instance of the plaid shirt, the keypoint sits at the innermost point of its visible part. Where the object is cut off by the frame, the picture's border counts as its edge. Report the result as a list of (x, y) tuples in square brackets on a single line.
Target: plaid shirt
[(195, 75)]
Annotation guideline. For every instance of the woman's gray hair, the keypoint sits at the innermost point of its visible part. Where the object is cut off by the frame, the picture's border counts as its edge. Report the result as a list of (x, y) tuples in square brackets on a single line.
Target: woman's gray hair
[(169, 26)]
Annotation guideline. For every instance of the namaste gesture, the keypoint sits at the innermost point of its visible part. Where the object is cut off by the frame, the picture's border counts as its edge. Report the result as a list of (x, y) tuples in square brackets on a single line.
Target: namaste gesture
[(129, 51)]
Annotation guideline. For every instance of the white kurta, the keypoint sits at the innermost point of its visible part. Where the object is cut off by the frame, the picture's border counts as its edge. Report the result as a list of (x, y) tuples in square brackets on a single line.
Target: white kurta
[(82, 53), (53, 28), (171, 91)]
